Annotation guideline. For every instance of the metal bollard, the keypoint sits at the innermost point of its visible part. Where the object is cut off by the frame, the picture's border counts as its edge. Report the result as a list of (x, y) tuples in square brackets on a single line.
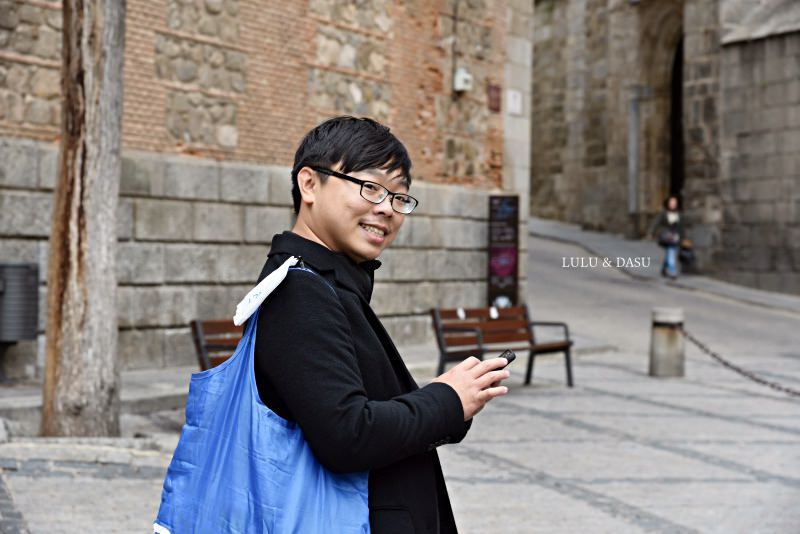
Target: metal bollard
[(666, 342)]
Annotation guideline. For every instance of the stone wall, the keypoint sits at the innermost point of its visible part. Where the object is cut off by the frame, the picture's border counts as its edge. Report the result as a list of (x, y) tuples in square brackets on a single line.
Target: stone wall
[(217, 95), (550, 187), (351, 60), (30, 54), (602, 77), (602, 74), (701, 125), (243, 80), (194, 235), (517, 120), (760, 146), (199, 60)]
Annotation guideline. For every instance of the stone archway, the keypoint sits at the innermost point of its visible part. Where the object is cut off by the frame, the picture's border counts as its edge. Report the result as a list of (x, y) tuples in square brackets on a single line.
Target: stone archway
[(659, 98)]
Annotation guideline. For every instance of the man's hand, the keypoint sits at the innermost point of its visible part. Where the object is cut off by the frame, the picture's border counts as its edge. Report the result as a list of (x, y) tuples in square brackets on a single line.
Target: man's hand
[(476, 382)]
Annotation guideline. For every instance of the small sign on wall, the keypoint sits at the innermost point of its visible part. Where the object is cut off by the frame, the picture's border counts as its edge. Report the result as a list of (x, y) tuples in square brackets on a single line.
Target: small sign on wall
[(514, 102)]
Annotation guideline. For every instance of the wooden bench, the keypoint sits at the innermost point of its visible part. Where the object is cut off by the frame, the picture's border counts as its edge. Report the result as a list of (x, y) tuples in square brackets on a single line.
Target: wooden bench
[(461, 333), (215, 341)]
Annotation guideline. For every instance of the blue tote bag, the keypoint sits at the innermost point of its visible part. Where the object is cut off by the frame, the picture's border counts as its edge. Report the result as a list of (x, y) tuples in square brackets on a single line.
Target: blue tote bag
[(241, 468)]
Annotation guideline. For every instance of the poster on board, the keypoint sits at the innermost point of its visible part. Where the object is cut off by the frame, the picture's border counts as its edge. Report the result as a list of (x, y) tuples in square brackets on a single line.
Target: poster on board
[(503, 250)]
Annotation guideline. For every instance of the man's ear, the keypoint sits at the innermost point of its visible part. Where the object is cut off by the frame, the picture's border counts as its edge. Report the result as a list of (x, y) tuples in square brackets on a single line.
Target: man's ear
[(308, 183)]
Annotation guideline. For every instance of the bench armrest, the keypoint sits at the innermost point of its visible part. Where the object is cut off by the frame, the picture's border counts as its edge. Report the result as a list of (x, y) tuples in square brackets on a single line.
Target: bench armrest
[(552, 323)]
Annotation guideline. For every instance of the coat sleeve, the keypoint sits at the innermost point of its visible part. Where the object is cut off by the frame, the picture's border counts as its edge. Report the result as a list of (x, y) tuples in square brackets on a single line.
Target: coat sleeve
[(304, 345), (656, 225)]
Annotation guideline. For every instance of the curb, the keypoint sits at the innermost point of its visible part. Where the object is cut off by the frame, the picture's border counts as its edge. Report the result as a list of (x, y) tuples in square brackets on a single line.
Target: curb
[(24, 417)]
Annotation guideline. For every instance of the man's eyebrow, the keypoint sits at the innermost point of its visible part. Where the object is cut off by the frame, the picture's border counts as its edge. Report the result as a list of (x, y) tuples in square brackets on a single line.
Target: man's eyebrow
[(399, 178)]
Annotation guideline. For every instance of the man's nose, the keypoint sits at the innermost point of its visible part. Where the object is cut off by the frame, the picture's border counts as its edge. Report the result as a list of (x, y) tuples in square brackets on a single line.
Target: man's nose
[(385, 206)]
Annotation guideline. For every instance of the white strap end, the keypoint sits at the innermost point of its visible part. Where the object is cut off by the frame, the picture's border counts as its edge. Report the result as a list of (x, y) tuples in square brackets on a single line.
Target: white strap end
[(250, 303)]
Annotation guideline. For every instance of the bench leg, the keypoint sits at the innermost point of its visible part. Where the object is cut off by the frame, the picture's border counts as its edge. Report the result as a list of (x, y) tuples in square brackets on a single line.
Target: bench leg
[(441, 365), (529, 370), (568, 362)]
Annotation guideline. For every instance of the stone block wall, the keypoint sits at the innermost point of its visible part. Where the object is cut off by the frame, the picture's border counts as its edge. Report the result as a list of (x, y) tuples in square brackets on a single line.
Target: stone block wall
[(760, 146), (550, 187), (701, 126), (194, 234), (597, 61), (517, 122)]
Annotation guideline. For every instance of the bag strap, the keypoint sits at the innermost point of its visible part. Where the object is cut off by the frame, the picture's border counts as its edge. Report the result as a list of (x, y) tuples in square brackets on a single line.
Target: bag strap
[(301, 266), (256, 296)]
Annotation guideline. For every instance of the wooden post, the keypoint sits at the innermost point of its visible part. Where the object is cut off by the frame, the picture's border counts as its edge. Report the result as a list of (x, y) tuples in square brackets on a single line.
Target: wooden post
[(81, 385)]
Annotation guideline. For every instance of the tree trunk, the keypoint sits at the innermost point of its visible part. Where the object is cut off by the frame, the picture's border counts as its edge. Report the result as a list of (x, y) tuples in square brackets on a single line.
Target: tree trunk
[(81, 385)]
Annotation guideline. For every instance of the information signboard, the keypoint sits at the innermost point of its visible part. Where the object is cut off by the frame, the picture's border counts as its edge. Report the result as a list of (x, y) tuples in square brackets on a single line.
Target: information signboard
[(503, 250)]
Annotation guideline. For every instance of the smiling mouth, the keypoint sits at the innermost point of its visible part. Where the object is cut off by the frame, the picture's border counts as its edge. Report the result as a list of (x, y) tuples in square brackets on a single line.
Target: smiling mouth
[(372, 230)]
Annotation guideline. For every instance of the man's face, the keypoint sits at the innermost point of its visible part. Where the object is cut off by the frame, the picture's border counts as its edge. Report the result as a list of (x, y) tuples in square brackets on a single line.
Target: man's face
[(349, 223)]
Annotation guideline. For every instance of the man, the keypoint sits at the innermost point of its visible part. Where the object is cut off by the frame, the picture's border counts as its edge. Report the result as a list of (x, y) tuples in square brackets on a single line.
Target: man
[(322, 357)]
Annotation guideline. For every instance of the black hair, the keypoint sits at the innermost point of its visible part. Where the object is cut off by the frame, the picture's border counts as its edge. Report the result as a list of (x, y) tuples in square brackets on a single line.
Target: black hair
[(358, 143)]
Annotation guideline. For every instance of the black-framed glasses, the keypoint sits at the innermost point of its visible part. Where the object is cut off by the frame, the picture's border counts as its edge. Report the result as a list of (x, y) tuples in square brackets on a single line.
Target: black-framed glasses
[(376, 193)]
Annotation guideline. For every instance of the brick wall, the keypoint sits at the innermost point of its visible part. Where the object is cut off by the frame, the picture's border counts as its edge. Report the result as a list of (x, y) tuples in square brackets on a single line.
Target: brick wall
[(242, 80)]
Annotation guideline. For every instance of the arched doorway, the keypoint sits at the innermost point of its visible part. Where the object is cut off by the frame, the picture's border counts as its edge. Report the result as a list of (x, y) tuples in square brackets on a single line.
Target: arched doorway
[(676, 171), (659, 124)]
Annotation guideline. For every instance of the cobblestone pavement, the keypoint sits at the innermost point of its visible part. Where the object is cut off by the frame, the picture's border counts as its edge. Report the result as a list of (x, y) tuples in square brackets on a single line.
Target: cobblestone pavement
[(620, 452), (624, 452)]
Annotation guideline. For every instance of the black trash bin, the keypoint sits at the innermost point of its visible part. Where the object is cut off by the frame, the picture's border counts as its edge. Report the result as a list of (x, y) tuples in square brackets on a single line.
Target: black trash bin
[(19, 304)]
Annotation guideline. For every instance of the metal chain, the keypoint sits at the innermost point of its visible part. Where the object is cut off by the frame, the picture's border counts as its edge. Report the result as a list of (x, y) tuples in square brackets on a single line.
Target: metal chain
[(736, 368)]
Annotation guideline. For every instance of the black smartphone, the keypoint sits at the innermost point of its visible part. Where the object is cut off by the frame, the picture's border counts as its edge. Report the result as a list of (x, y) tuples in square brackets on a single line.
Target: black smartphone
[(510, 356)]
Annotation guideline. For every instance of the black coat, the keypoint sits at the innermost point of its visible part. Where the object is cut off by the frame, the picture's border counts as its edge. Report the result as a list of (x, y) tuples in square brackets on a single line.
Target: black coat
[(323, 359), (661, 223)]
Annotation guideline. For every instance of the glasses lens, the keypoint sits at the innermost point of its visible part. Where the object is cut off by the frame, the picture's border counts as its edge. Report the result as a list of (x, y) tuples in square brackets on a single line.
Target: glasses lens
[(404, 204), (373, 192)]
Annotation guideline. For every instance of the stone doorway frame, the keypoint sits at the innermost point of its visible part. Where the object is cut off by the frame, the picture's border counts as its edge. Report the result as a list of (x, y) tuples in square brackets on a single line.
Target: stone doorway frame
[(650, 151)]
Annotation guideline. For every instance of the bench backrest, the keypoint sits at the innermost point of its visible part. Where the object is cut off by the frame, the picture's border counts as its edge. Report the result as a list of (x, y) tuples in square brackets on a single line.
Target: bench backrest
[(215, 340), (504, 325)]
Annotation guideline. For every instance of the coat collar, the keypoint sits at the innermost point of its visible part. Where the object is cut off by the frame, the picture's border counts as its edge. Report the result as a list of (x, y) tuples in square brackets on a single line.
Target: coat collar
[(357, 277)]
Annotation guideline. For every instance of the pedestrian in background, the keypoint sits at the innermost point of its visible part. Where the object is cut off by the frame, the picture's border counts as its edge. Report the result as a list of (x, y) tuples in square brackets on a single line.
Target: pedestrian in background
[(668, 229)]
